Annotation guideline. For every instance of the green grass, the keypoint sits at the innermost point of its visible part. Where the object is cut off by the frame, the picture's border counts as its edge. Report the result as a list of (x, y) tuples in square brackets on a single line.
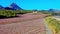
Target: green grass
[(53, 24)]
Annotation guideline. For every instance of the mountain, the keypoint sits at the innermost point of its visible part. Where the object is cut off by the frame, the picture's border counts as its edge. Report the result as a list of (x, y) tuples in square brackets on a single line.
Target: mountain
[(51, 10), (1, 7), (7, 8), (15, 6)]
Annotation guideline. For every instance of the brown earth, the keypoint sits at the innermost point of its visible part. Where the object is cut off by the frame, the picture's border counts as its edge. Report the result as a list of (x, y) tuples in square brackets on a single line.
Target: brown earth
[(21, 18), (26, 24)]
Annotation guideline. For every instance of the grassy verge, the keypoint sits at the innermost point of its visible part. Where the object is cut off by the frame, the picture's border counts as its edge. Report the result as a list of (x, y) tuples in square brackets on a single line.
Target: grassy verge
[(53, 24)]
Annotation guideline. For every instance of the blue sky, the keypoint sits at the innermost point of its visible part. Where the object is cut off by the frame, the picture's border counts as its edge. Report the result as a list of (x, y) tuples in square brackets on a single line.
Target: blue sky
[(33, 4)]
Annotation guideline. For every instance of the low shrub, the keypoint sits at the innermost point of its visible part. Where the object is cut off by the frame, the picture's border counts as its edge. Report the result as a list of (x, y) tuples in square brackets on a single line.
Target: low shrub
[(8, 13)]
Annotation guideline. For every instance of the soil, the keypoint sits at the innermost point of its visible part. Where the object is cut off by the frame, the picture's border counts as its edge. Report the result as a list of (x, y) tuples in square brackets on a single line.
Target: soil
[(25, 24), (21, 18)]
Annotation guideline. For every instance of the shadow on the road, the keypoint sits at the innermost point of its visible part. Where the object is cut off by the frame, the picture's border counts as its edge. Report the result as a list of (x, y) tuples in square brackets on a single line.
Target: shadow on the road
[(4, 17)]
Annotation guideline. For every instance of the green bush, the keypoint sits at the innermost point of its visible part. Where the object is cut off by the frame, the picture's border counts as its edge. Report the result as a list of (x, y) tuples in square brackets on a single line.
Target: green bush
[(8, 13)]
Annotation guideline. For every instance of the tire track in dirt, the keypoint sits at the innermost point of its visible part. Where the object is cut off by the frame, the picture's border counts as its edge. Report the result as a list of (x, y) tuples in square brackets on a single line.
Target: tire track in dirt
[(27, 27)]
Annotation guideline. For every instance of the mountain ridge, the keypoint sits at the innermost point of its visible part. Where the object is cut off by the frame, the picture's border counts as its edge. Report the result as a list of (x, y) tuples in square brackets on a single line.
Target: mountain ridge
[(12, 6)]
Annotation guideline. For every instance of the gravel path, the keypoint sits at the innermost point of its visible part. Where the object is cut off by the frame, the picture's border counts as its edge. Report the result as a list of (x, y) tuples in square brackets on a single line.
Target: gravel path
[(56, 17), (48, 31)]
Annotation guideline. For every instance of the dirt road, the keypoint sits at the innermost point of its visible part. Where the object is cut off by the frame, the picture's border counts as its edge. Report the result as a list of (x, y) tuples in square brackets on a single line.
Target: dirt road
[(34, 26), (21, 18)]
